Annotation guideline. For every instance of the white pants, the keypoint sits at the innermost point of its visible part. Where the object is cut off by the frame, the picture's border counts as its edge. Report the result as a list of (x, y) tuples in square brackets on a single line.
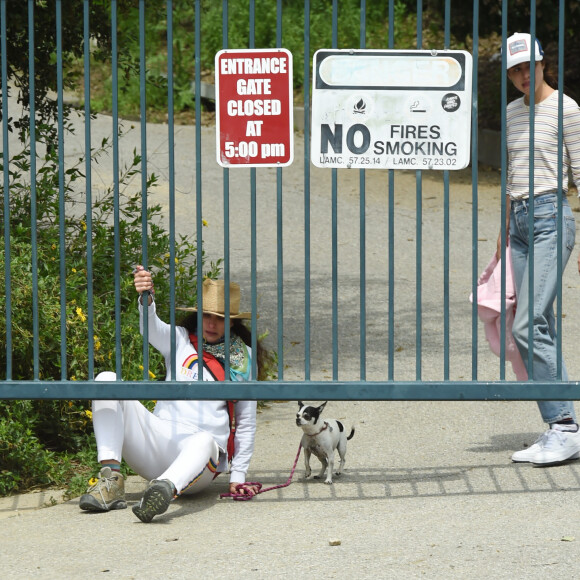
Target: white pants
[(152, 447)]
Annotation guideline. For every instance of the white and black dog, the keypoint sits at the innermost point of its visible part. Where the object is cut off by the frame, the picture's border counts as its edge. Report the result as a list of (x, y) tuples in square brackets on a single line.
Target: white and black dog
[(321, 438)]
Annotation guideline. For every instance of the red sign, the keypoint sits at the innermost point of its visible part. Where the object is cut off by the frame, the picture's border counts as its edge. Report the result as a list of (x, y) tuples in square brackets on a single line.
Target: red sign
[(254, 106)]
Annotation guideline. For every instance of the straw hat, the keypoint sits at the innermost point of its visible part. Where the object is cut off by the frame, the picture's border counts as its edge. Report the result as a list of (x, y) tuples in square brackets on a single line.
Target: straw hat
[(213, 299)]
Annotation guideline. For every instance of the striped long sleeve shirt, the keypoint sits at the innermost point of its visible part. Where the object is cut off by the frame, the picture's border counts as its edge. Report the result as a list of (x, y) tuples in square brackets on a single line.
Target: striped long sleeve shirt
[(545, 146)]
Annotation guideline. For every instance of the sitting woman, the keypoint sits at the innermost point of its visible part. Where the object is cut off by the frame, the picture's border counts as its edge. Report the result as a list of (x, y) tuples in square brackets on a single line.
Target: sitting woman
[(183, 444)]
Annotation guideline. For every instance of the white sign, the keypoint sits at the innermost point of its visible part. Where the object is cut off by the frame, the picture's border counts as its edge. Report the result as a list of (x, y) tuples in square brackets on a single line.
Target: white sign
[(391, 109)]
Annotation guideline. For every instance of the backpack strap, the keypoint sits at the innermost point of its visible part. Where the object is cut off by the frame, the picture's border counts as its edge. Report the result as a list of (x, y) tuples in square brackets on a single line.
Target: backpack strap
[(231, 438), (213, 365)]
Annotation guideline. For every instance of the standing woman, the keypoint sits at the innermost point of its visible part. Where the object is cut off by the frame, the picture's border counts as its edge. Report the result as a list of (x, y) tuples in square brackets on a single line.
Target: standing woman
[(562, 439), (183, 444)]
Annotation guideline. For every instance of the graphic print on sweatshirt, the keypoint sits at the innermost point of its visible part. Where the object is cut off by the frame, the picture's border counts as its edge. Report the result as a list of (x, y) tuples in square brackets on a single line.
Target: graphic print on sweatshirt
[(189, 367)]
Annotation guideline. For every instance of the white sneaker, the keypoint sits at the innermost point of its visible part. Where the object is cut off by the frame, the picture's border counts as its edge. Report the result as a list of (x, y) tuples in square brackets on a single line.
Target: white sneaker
[(559, 444), (527, 455)]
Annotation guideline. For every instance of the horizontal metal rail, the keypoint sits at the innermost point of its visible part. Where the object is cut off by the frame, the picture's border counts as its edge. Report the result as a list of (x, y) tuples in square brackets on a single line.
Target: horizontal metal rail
[(298, 390)]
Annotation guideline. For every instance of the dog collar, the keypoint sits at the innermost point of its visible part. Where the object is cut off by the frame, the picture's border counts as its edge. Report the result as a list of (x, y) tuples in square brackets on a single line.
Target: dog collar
[(321, 430)]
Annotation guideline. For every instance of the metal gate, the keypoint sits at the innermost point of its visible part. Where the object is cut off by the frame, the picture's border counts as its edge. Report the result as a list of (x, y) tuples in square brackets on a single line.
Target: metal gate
[(360, 278)]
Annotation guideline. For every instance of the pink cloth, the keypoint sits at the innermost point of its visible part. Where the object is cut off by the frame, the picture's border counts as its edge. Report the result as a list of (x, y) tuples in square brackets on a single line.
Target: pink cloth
[(489, 310)]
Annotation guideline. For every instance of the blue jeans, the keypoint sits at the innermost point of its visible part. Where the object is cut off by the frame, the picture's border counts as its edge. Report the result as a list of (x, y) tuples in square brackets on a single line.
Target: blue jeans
[(545, 288)]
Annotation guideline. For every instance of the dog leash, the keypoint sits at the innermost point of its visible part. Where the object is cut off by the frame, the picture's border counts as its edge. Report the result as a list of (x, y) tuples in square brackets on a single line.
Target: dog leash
[(249, 484)]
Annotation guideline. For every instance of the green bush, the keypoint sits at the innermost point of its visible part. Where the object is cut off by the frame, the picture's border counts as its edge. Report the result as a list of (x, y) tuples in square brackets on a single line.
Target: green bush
[(25, 462), (31, 432), (238, 33)]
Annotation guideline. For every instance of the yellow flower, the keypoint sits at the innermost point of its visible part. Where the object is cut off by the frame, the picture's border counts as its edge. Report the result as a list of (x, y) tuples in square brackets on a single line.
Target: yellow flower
[(80, 314), (97, 342), (93, 481), (204, 223), (74, 270), (73, 378), (53, 246), (110, 354), (89, 414), (84, 224), (151, 375)]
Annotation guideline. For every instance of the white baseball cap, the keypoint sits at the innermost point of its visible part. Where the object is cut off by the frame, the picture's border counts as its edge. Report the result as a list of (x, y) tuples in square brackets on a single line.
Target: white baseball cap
[(518, 49)]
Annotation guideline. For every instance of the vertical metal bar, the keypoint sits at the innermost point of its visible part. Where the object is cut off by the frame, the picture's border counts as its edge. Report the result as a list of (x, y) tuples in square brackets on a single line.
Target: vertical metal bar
[(334, 211), (391, 41), (198, 183), (474, 191), (115, 119), (307, 190), (391, 261), (447, 34), (33, 196), (334, 228), (254, 243), (503, 200), (446, 231), (61, 188), (531, 252), (419, 241), (89, 186), (171, 160), (334, 23), (560, 227), (226, 178), (252, 14), (280, 275), (279, 213), (362, 217), (391, 220), (6, 176), (279, 23), (418, 276), (419, 24), (446, 345), (144, 224)]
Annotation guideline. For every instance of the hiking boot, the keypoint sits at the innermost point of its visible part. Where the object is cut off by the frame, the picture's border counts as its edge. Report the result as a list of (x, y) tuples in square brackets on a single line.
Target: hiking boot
[(562, 443), (107, 494), (155, 500)]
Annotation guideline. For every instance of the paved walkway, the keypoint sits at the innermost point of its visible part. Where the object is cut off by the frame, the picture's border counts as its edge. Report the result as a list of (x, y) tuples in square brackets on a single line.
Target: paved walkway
[(429, 492)]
